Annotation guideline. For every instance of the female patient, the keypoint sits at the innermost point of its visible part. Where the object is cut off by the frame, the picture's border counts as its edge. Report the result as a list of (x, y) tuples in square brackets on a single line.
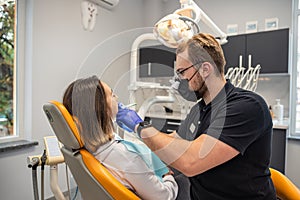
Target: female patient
[(95, 106)]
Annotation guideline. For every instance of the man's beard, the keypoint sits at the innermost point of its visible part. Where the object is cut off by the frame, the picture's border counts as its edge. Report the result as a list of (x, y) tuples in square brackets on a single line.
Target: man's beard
[(201, 88)]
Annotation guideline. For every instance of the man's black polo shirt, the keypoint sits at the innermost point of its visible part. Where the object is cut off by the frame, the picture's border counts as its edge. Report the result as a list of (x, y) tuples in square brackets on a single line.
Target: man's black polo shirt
[(242, 120)]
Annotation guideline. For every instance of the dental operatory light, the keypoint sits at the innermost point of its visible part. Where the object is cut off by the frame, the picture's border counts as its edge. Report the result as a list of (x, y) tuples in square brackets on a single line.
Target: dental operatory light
[(175, 28), (2, 2)]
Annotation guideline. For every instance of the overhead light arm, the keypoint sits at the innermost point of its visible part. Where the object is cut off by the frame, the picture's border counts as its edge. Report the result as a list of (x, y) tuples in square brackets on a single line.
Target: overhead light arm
[(204, 17), (183, 24), (189, 9)]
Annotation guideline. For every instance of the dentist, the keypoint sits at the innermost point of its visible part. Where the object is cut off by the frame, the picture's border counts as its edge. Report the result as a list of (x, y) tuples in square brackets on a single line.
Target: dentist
[(224, 144)]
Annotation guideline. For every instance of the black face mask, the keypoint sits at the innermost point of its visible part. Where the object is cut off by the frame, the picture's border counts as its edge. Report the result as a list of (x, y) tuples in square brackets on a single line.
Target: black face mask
[(184, 90), (186, 93)]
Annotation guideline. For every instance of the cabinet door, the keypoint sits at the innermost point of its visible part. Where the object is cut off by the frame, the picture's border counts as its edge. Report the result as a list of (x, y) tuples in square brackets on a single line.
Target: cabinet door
[(278, 150), (156, 61), (270, 50), (235, 47)]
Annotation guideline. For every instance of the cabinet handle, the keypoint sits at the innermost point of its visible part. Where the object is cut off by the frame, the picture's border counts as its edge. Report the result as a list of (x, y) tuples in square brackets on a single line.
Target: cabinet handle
[(170, 130), (149, 69), (174, 123)]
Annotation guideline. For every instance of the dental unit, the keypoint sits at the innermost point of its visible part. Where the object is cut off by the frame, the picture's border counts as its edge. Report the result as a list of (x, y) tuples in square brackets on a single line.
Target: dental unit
[(171, 30)]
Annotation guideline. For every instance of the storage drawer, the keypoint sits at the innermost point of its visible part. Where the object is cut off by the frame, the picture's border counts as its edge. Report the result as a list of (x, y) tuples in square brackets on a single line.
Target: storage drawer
[(164, 125)]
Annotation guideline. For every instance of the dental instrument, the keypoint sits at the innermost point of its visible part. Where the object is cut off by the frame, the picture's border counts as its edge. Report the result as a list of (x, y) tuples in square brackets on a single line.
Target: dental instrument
[(130, 105), (245, 79)]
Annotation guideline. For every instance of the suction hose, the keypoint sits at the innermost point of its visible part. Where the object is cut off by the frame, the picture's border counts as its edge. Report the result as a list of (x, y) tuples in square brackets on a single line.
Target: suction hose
[(43, 162), (33, 163)]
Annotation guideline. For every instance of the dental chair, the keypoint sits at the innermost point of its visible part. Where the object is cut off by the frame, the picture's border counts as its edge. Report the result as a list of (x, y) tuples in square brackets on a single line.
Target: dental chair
[(285, 189), (93, 179)]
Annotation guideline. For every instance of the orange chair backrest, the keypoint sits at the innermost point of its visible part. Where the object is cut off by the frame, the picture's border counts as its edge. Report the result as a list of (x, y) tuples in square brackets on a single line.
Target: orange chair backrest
[(99, 172), (285, 189)]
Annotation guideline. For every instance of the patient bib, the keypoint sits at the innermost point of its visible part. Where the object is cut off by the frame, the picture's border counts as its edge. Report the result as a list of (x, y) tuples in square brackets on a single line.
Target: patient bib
[(150, 158)]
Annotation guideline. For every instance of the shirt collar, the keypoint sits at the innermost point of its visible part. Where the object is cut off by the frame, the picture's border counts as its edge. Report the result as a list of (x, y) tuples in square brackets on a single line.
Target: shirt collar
[(221, 96), (105, 146)]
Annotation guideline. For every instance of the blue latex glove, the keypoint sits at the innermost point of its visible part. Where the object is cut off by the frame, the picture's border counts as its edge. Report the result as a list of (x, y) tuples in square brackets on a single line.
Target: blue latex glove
[(127, 119)]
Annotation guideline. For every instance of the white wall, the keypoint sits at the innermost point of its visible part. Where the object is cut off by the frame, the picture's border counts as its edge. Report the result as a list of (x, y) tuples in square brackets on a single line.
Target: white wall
[(239, 12), (60, 47)]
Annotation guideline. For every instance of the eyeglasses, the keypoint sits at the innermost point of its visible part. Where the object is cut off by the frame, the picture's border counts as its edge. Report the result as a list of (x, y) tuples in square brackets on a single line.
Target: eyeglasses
[(180, 73)]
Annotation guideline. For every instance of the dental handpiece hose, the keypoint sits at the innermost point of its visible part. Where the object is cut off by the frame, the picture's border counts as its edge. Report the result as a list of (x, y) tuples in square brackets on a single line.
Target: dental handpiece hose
[(34, 163), (43, 162)]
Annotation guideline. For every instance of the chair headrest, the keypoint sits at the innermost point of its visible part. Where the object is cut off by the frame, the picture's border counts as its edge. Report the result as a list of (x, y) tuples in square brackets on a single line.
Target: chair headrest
[(63, 125)]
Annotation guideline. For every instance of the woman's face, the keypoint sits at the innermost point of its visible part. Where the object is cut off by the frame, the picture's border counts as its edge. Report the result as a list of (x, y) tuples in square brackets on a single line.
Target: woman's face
[(111, 99)]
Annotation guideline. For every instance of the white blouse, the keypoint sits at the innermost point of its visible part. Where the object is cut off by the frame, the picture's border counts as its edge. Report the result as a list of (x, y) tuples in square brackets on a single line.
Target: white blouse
[(132, 171)]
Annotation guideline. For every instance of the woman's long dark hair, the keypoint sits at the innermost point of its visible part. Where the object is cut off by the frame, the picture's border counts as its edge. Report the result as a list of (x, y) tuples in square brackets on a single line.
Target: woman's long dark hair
[(85, 99)]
